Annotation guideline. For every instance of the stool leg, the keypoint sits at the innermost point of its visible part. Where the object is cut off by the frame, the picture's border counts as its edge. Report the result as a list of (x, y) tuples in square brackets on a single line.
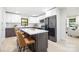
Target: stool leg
[(20, 49), (24, 49)]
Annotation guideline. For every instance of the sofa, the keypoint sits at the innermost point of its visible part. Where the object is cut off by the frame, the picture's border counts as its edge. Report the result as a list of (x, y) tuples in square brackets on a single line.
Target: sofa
[(73, 31)]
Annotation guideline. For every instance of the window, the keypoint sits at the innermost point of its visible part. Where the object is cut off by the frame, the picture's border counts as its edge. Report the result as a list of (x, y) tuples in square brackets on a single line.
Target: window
[(24, 21), (72, 22)]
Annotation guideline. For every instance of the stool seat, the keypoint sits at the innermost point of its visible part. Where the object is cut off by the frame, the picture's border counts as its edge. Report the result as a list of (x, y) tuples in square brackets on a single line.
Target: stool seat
[(28, 41)]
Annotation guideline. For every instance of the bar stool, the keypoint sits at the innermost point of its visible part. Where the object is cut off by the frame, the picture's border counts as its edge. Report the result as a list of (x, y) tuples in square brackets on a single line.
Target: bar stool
[(22, 41)]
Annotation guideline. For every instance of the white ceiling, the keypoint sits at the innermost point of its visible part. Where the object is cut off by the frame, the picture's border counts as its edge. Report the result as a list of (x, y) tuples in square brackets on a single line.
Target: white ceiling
[(28, 11)]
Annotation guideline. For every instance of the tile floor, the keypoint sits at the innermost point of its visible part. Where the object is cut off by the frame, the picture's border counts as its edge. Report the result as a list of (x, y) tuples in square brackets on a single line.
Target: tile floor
[(67, 45)]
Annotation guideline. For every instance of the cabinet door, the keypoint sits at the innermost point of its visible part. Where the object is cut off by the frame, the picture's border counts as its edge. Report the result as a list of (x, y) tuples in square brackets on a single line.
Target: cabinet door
[(52, 22), (10, 32), (46, 21), (42, 42)]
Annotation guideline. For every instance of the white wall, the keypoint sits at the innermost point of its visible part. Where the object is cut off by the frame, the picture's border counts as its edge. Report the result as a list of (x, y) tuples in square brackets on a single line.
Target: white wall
[(58, 24), (63, 24), (77, 20), (2, 23), (72, 11)]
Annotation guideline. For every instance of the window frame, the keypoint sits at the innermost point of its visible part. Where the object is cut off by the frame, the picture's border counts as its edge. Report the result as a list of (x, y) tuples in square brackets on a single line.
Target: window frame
[(24, 23)]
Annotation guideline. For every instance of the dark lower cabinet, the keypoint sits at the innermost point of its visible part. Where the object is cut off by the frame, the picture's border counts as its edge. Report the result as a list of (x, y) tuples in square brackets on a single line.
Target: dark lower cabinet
[(41, 43), (52, 34), (10, 32), (51, 31)]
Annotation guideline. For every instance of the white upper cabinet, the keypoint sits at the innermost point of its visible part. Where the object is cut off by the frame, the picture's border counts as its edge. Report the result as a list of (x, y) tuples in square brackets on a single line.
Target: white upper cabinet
[(13, 18), (33, 20)]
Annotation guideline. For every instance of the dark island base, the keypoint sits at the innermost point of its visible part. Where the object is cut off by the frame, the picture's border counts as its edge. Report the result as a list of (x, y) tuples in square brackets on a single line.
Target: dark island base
[(32, 48), (41, 43)]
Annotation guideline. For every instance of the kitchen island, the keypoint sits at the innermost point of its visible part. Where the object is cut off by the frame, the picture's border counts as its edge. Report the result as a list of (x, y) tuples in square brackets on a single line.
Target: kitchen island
[(41, 39)]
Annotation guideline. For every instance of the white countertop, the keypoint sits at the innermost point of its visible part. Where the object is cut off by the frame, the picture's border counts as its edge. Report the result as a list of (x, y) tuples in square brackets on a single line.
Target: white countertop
[(32, 31)]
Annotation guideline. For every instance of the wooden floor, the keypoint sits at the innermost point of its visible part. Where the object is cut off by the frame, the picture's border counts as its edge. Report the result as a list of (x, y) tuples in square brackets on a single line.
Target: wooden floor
[(68, 45)]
